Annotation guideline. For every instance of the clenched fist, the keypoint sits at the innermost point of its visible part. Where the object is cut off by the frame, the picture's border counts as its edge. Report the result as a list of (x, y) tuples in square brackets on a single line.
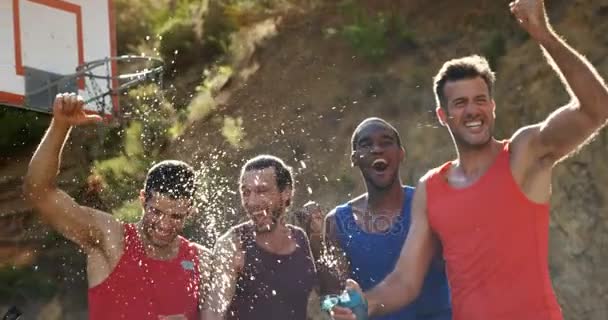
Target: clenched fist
[(68, 110), (532, 16)]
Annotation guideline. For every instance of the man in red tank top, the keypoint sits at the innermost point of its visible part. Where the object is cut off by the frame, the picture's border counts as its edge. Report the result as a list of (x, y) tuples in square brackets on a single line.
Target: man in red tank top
[(135, 271), (488, 209)]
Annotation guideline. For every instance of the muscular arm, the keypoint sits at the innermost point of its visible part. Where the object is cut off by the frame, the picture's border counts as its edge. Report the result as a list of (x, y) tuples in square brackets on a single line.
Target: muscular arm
[(227, 263), (403, 285), (87, 227), (567, 128), (334, 266)]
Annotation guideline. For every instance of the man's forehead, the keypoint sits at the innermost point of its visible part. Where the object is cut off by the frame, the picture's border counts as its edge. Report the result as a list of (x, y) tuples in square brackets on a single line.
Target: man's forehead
[(159, 200), (457, 88), (259, 176), (374, 128)]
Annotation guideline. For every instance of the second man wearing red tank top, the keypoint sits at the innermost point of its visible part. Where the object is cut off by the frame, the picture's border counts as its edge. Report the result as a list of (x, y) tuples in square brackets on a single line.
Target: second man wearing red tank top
[(489, 207)]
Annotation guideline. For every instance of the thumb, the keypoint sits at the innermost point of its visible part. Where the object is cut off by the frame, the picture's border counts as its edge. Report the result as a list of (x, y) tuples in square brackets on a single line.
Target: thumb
[(93, 118), (353, 285)]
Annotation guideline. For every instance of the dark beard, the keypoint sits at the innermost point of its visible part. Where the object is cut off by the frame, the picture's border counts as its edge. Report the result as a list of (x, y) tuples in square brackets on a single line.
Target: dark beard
[(275, 217)]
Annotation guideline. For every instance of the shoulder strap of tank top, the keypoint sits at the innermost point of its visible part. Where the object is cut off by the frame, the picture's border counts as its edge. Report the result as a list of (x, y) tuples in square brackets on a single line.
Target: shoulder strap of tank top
[(344, 216), (300, 236), (407, 201), (246, 235), (131, 238)]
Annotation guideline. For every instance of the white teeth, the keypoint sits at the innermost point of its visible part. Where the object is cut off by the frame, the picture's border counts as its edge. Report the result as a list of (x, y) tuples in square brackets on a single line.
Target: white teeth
[(472, 124), (377, 161)]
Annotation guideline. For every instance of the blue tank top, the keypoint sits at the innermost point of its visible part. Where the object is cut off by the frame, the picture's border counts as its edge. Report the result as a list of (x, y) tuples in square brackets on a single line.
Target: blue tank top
[(373, 256)]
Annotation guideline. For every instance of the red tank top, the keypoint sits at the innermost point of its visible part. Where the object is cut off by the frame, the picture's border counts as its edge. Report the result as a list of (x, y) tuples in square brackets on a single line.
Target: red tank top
[(143, 288), (495, 244)]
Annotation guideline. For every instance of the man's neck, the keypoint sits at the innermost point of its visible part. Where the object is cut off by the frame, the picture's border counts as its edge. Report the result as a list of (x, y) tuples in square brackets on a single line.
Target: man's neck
[(474, 162), (276, 240), (385, 200)]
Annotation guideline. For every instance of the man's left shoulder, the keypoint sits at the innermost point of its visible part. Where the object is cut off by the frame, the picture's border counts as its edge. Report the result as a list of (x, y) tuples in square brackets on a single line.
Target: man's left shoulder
[(199, 249)]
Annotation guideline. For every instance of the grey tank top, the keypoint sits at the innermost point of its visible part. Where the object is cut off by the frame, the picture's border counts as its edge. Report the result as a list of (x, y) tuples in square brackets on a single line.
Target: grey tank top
[(273, 286)]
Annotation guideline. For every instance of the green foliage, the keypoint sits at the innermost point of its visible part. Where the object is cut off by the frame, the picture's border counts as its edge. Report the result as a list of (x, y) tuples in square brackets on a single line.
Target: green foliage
[(20, 128), (494, 47), (22, 281), (233, 132), (129, 211), (371, 35)]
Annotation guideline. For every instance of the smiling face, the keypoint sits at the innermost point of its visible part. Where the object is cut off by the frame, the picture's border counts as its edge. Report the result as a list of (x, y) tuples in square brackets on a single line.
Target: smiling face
[(164, 218), (377, 153), (469, 112), (261, 198)]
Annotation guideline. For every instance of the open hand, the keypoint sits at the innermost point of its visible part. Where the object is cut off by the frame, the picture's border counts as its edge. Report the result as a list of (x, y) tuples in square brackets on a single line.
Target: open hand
[(532, 16), (68, 109)]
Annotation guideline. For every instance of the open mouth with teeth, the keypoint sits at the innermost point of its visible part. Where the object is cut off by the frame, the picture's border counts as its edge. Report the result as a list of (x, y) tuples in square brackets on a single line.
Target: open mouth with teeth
[(473, 124), (379, 165)]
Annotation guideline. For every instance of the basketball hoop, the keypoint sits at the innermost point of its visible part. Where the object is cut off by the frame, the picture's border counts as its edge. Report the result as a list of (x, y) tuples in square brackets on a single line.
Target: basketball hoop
[(133, 71), (105, 79)]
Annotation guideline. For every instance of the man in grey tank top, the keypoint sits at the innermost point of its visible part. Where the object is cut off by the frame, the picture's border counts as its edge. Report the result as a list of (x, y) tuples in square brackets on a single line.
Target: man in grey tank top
[(263, 268)]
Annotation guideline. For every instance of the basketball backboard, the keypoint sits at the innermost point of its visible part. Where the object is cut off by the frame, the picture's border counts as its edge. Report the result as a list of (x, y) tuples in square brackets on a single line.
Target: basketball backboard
[(46, 41)]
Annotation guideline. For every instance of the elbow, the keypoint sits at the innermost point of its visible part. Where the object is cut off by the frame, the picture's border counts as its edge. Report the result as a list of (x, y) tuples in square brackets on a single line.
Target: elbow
[(34, 190), (410, 287)]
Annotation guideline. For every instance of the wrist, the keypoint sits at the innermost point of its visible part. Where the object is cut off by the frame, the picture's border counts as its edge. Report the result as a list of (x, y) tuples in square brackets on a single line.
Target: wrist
[(60, 124), (547, 37), (372, 305)]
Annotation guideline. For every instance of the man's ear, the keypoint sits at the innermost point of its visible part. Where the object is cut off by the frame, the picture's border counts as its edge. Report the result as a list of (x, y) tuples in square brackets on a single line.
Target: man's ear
[(441, 116), (286, 196), (402, 154), (354, 162), (142, 197)]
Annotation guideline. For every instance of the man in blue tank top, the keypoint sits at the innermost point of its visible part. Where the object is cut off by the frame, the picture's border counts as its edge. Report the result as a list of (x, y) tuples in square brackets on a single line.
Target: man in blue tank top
[(363, 237)]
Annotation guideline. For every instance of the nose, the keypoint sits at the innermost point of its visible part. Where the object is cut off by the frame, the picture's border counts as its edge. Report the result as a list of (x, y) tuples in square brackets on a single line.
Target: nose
[(377, 148), (254, 201), (472, 111)]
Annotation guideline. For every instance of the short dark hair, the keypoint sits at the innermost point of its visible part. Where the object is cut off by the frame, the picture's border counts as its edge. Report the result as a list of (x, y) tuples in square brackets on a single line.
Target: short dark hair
[(172, 178), (462, 68), (283, 172), (367, 122)]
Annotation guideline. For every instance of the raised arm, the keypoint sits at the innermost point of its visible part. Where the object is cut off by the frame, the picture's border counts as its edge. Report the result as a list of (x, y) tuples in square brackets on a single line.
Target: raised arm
[(86, 227), (403, 285), (334, 266), (227, 261), (567, 128)]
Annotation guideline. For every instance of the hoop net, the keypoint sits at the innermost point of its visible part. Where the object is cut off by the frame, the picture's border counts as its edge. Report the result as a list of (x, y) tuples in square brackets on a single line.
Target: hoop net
[(103, 88)]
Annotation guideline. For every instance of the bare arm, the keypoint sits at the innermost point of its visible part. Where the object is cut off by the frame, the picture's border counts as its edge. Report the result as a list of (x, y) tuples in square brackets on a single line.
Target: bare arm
[(205, 265), (403, 285), (334, 266), (85, 226), (227, 263), (570, 126)]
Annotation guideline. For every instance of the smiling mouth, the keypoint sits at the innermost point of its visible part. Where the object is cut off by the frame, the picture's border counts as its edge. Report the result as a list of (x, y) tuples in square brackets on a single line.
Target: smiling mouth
[(473, 124), (380, 165)]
